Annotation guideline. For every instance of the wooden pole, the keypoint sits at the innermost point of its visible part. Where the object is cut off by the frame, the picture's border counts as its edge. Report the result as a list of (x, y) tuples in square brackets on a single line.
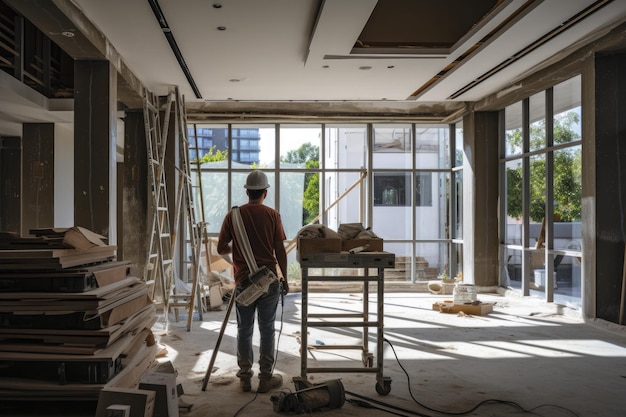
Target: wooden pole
[(209, 369)]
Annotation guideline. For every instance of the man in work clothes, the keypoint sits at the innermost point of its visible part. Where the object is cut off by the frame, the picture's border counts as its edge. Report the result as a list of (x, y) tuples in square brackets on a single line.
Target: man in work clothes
[(266, 234)]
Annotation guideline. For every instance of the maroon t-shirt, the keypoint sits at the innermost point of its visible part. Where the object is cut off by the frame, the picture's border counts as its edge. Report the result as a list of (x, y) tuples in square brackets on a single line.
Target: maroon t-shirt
[(264, 226)]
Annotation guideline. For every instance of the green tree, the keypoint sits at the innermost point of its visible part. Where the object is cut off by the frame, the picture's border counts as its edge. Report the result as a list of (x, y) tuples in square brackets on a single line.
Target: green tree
[(311, 200), (567, 172), (213, 155), (306, 152), (308, 155)]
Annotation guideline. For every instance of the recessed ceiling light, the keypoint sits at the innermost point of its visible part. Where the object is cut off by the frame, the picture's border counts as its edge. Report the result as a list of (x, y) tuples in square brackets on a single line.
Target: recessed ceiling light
[(325, 66), (391, 66), (365, 68), (221, 28), (217, 6), (234, 80), (68, 34)]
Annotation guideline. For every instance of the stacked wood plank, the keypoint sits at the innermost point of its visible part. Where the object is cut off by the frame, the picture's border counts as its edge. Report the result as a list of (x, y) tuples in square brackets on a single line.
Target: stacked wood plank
[(72, 320)]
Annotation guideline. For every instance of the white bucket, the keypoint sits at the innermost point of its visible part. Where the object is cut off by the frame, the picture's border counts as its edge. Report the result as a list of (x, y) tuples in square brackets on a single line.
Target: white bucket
[(464, 293)]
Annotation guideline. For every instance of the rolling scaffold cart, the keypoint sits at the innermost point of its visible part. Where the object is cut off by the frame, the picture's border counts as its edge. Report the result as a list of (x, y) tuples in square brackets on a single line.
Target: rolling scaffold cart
[(360, 260)]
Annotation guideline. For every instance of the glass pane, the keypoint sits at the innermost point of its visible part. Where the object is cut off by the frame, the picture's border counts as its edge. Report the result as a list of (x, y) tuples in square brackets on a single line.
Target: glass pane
[(402, 270), (567, 111), (267, 146), (513, 268), (300, 146), (432, 146), (513, 129), (457, 230), (537, 188), (567, 289), (392, 205), (392, 189), (299, 200), (431, 211), (513, 206), (346, 146), (211, 142), (392, 146), (567, 224), (348, 209), (215, 199), (246, 141), (458, 151), (537, 104), (457, 269), (431, 260), (567, 194)]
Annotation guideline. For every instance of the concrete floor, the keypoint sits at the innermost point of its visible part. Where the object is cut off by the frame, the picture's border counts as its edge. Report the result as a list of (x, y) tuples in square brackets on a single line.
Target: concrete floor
[(525, 355)]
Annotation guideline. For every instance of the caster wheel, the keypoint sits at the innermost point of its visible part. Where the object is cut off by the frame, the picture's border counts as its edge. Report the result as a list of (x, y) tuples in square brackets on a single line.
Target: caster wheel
[(383, 389)]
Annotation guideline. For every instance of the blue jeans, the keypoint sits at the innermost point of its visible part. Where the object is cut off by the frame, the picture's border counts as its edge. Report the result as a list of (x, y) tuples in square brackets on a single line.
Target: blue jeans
[(265, 307)]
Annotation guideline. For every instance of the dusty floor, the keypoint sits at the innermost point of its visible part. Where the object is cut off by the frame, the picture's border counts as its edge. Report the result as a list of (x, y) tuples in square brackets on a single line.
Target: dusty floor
[(525, 355)]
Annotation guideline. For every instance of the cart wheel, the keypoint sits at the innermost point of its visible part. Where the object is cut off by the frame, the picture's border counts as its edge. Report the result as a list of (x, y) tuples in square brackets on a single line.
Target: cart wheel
[(383, 389)]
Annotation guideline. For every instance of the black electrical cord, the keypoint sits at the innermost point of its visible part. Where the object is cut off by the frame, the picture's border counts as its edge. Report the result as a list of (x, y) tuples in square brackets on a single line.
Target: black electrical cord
[(459, 413), (280, 332)]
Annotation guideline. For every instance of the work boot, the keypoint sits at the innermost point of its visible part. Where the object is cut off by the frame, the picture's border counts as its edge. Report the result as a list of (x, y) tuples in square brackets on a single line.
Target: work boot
[(245, 384), (267, 384)]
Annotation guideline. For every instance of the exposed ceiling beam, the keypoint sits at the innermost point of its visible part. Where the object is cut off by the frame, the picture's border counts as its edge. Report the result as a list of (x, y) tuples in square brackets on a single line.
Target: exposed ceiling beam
[(67, 26)]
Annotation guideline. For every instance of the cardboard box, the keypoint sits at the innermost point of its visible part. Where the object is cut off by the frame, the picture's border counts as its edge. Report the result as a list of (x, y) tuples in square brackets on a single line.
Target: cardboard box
[(375, 244), (319, 245), (476, 310), (141, 402), (164, 385)]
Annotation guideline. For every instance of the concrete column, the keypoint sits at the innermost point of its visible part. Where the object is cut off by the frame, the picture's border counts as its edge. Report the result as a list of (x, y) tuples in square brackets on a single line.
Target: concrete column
[(37, 176), (480, 198), (95, 131), (134, 237), (609, 170), (10, 183)]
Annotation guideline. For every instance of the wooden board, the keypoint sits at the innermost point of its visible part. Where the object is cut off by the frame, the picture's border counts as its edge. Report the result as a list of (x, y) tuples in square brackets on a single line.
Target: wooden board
[(48, 253), (77, 279), (28, 390), (476, 310), (82, 342), (106, 291)]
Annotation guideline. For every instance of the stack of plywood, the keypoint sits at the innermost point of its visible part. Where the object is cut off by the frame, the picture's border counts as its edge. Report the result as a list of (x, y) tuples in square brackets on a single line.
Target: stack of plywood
[(72, 320)]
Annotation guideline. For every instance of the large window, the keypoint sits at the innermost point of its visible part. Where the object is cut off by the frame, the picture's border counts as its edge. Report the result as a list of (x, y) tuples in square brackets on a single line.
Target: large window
[(541, 174), (393, 178)]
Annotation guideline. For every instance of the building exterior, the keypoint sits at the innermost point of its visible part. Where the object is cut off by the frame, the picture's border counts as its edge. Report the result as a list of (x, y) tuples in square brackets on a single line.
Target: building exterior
[(245, 142)]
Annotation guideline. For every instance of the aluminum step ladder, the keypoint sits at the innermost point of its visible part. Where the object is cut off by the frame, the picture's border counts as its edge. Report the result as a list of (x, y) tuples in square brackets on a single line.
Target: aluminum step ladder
[(159, 268), (185, 204)]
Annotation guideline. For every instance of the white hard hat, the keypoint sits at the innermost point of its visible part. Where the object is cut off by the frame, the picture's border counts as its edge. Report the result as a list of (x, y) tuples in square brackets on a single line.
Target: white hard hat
[(257, 180)]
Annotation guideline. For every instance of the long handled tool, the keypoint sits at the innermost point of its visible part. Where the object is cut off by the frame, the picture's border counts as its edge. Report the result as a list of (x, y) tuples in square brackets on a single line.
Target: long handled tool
[(209, 369)]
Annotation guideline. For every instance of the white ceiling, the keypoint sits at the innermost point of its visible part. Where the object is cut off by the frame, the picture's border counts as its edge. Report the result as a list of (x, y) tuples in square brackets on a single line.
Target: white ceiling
[(277, 49), (284, 52)]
